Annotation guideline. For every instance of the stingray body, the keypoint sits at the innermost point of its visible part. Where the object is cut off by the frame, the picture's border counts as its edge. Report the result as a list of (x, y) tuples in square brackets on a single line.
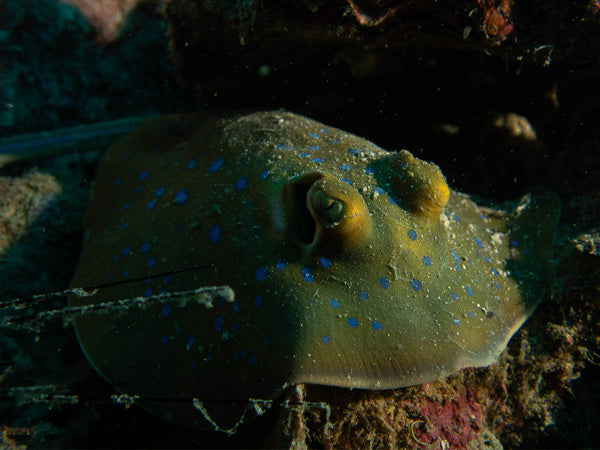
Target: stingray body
[(350, 265)]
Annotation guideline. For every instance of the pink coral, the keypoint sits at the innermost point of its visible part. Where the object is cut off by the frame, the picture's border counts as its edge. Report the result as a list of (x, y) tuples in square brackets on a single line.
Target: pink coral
[(106, 16), (455, 422)]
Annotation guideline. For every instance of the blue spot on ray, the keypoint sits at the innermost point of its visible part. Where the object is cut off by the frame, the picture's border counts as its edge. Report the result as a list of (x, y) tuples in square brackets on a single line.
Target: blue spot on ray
[(363, 295), (384, 282), (260, 274), (427, 260), (280, 264), (241, 183), (325, 339), (307, 274), (258, 300), (219, 324), (478, 242), (415, 284), (145, 247), (352, 322), (377, 325), (455, 256), (325, 262), (151, 204), (334, 303), (216, 165), (165, 311), (143, 175), (264, 174), (214, 234), (160, 191), (150, 262), (181, 197), (412, 234), (191, 163)]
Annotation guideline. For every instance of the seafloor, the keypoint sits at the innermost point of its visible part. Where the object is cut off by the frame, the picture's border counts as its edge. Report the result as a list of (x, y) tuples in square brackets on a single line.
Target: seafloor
[(502, 95)]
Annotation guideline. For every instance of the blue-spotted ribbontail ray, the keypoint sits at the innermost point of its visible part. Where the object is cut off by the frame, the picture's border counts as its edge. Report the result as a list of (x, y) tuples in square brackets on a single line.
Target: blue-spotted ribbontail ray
[(351, 266)]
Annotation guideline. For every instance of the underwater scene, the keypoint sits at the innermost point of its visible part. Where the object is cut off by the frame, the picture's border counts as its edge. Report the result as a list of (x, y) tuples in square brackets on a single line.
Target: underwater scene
[(359, 224)]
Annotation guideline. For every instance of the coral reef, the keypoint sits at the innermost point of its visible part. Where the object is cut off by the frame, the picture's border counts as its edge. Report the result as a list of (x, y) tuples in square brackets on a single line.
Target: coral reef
[(55, 73), (24, 200)]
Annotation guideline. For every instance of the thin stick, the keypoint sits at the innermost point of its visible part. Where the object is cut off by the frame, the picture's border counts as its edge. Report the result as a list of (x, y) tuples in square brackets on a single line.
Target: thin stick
[(78, 139)]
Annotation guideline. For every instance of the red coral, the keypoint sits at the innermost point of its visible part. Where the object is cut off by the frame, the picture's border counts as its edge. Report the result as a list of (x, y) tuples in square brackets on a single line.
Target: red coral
[(497, 24), (371, 13), (456, 421)]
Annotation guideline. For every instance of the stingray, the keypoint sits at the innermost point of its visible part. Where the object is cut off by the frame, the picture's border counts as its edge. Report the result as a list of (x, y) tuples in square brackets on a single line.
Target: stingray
[(268, 250)]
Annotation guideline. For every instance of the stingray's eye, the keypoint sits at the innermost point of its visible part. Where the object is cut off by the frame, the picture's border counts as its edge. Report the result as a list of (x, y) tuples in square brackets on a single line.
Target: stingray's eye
[(325, 214), (330, 209)]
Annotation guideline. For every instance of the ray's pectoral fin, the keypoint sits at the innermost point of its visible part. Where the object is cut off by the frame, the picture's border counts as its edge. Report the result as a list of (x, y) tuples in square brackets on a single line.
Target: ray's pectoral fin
[(418, 185), (325, 215), (532, 233)]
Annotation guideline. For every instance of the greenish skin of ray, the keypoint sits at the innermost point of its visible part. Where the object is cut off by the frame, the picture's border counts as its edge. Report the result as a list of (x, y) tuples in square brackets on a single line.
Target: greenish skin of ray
[(448, 282)]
